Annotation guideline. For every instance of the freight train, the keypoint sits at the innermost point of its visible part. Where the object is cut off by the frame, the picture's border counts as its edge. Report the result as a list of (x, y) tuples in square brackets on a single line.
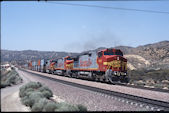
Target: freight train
[(106, 65)]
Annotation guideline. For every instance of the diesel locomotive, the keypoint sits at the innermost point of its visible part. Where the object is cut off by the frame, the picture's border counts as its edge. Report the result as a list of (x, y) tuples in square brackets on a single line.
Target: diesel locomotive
[(106, 65)]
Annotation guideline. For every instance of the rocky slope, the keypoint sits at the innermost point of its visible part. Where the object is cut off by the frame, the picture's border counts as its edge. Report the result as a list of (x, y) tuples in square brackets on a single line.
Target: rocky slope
[(152, 55)]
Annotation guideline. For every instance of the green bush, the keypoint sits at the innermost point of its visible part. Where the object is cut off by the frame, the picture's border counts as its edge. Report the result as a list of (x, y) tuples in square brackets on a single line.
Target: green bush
[(143, 74), (50, 106), (81, 107), (3, 85), (9, 78), (25, 92), (25, 100), (46, 91), (66, 107), (35, 97), (159, 85), (47, 94), (40, 104), (31, 86)]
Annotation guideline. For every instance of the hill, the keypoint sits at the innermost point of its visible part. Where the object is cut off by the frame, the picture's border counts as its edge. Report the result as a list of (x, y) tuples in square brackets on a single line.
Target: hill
[(150, 56)]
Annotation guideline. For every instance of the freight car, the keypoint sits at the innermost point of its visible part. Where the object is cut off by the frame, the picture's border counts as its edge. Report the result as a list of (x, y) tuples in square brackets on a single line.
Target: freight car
[(107, 65)]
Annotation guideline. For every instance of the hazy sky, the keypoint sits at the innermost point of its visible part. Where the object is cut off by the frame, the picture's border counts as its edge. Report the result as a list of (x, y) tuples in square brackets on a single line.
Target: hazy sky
[(54, 27)]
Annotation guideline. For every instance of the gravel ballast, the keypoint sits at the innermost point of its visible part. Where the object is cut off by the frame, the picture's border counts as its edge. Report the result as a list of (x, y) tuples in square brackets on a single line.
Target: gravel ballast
[(156, 95), (92, 100)]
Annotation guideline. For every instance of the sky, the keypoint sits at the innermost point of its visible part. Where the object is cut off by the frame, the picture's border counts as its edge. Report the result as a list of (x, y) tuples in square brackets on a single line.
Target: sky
[(47, 26)]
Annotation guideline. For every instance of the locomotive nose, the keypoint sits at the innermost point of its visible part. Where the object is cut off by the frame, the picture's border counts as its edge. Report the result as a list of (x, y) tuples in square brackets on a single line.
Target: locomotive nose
[(111, 58), (69, 61)]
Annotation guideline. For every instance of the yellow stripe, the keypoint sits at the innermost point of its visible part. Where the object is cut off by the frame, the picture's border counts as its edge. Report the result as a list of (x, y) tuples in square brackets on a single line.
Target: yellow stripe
[(86, 68), (114, 63), (105, 63)]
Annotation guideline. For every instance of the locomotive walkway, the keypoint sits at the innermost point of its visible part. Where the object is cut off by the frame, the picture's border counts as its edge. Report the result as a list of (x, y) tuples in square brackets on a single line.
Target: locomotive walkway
[(151, 98)]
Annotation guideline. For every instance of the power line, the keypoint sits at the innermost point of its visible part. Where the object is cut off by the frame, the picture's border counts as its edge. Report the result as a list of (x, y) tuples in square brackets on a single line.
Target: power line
[(114, 8), (100, 0)]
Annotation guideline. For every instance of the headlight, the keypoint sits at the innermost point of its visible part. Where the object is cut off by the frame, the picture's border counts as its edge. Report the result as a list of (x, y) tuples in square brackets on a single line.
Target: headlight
[(115, 73)]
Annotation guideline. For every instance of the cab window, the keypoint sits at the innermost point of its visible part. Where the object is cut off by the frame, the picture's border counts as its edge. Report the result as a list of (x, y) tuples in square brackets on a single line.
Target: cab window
[(119, 53), (99, 54), (69, 59), (108, 53)]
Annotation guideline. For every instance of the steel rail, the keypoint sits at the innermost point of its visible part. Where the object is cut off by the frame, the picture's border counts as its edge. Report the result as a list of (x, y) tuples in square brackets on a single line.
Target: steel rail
[(142, 87), (158, 103)]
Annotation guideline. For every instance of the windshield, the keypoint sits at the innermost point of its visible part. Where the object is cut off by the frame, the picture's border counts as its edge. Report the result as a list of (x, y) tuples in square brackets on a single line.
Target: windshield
[(69, 59), (119, 53), (112, 53), (108, 53)]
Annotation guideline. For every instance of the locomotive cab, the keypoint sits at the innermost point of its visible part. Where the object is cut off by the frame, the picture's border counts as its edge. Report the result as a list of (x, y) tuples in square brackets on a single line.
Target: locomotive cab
[(112, 62), (68, 62)]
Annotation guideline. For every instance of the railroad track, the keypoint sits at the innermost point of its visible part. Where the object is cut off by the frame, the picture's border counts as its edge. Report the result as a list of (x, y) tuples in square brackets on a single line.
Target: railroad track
[(142, 87), (161, 105)]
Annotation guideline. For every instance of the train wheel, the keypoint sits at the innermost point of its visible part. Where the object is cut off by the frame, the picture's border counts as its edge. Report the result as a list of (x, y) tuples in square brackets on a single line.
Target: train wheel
[(50, 72), (108, 76), (92, 76), (101, 80), (53, 73), (96, 79), (68, 73), (125, 80)]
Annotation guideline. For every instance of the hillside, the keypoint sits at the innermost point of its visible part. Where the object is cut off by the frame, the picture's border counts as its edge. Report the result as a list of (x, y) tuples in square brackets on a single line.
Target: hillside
[(22, 56), (153, 55), (146, 56)]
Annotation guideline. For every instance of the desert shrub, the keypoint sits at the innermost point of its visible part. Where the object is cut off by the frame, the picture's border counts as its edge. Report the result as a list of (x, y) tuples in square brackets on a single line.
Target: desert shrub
[(25, 100), (25, 92), (143, 74), (159, 86), (3, 84), (34, 85), (31, 86), (66, 107), (39, 105), (47, 94), (28, 92), (139, 83), (50, 106), (35, 97), (81, 107), (9, 78), (46, 91)]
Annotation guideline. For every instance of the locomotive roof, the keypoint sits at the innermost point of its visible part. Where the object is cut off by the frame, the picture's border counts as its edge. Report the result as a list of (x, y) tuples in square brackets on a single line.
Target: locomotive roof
[(90, 52), (83, 53), (110, 49)]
